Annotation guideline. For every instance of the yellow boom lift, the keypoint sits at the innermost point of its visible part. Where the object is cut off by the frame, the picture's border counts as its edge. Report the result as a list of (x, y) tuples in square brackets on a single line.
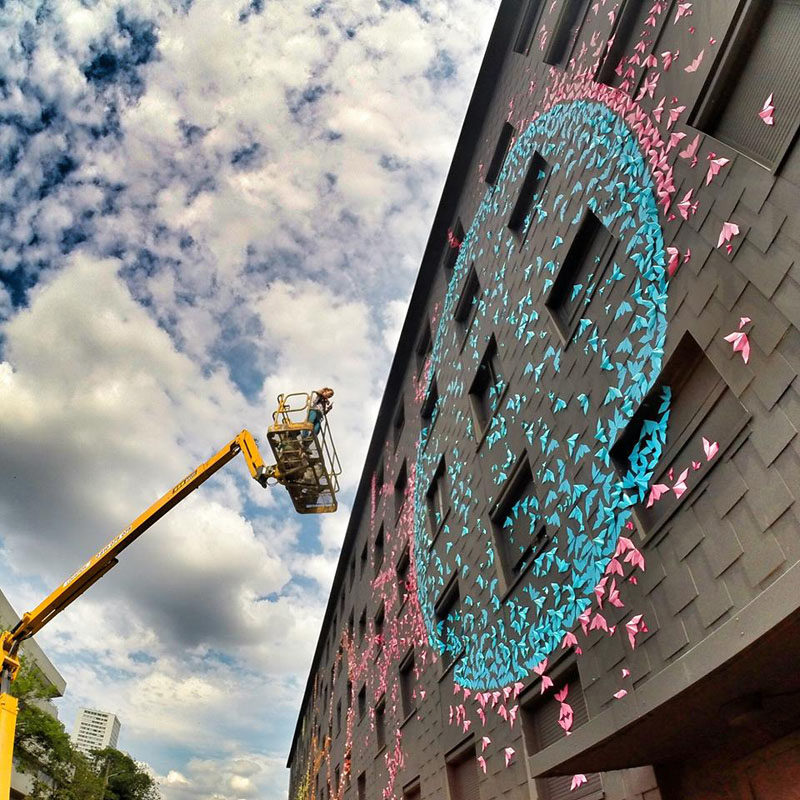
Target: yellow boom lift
[(306, 463)]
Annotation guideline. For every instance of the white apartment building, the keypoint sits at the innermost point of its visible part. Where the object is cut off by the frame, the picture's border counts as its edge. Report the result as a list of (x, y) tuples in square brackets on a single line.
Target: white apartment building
[(95, 730)]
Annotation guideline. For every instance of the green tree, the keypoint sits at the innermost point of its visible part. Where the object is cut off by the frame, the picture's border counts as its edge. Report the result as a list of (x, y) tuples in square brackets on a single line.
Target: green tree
[(123, 778)]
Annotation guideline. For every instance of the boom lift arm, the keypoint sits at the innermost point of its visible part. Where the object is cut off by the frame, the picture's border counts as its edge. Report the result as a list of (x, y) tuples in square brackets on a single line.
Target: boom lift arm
[(304, 466)]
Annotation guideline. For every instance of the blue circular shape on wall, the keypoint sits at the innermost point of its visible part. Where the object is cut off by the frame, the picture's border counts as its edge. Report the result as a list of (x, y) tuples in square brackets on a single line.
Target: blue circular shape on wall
[(586, 158)]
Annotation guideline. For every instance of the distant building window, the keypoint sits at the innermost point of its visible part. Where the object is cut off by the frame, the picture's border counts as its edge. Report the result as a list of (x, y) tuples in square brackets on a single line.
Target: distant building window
[(584, 265), (701, 406), (531, 186), (336, 777), (454, 241), (380, 724), (413, 792), (338, 717), (361, 786), (468, 299), (486, 389), (407, 684), (541, 729), (424, 347), (362, 626), (400, 486), (402, 576), (352, 570), (351, 624), (627, 24), (349, 694), (761, 59), (517, 543), (380, 618), (447, 611), (565, 32), (525, 34), (462, 775), (399, 422), (436, 499), (431, 399), (379, 480), (500, 150), (364, 558), (362, 701), (378, 551)]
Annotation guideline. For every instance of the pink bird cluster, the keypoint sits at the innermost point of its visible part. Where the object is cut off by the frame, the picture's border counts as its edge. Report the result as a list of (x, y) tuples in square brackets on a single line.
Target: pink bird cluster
[(679, 487), (739, 340)]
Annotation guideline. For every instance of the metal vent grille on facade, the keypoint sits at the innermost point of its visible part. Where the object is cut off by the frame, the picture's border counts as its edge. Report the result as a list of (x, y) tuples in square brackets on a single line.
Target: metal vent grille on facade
[(772, 67)]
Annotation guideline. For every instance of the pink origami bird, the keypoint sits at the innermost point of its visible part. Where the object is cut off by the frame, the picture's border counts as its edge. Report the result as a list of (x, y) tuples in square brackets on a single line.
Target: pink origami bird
[(767, 112), (729, 230), (714, 166), (634, 626), (680, 485), (684, 10), (692, 67), (667, 57), (509, 754), (482, 763), (686, 206), (690, 151), (656, 490), (485, 742), (659, 109), (539, 669), (577, 780), (674, 113), (626, 672), (620, 694), (710, 448), (741, 344)]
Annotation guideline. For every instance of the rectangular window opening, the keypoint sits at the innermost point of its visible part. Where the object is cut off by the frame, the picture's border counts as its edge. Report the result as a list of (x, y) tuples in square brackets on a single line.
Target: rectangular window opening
[(485, 391), (362, 701), (435, 499), (628, 23), (407, 684), (760, 58), (402, 576), (532, 184), (380, 619), (361, 786), (702, 406), (584, 265), (399, 422), (380, 723), (468, 299), (463, 778), (400, 486), (565, 32), (500, 150), (378, 550), (424, 347), (446, 611), (431, 399), (522, 44), (454, 241)]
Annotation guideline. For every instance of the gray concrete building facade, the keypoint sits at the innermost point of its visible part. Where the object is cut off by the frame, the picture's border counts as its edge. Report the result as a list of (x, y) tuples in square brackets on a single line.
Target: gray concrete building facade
[(572, 564)]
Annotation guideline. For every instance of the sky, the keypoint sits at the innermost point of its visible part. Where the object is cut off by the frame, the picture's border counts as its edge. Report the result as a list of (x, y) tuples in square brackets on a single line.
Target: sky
[(203, 203)]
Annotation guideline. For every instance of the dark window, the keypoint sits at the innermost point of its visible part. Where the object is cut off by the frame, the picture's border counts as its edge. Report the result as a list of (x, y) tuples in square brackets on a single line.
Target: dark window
[(541, 729), (447, 611), (380, 618), (379, 479), (517, 543), (402, 576), (454, 242), (361, 786), (429, 405), (362, 701), (487, 386), (468, 299), (351, 624), (378, 551), (400, 488), (531, 185), (761, 58), (588, 256), (352, 570), (628, 23), (500, 150), (338, 717), (424, 347), (407, 684), (399, 422), (462, 776), (362, 625), (412, 792), (565, 32), (701, 406), (341, 603), (435, 499), (364, 558), (525, 33), (380, 724), (349, 694), (337, 775)]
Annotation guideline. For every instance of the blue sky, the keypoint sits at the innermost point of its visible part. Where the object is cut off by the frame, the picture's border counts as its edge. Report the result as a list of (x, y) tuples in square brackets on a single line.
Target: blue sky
[(203, 204)]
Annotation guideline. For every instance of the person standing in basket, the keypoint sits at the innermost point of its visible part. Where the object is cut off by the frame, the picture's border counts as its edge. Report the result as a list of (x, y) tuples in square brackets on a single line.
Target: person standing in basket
[(319, 407)]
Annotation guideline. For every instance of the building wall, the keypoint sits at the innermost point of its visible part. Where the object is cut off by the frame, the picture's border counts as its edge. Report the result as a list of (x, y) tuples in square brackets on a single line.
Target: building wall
[(95, 730), (579, 397)]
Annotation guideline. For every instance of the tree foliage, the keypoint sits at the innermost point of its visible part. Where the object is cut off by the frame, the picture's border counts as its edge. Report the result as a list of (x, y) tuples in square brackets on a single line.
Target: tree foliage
[(59, 771)]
